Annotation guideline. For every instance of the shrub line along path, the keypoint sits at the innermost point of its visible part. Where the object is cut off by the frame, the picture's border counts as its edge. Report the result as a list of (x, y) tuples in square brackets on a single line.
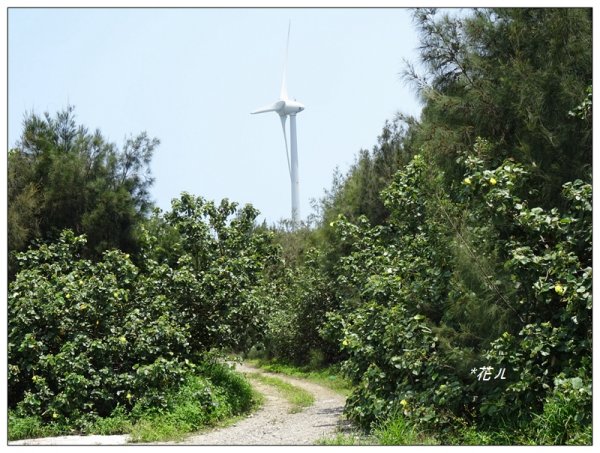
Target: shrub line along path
[(272, 424)]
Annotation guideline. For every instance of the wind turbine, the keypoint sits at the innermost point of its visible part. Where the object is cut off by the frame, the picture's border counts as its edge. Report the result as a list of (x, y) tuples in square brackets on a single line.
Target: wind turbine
[(285, 107)]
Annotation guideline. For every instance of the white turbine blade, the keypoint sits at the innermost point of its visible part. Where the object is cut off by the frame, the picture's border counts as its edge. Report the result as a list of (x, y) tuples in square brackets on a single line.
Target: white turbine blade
[(283, 94), (269, 108), (287, 154)]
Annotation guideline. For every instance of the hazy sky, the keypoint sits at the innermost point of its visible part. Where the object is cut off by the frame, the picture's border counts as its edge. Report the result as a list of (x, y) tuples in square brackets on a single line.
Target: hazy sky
[(191, 77)]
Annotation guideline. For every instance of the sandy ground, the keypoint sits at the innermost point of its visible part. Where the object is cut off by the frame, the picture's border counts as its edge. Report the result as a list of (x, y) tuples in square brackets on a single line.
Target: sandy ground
[(272, 424)]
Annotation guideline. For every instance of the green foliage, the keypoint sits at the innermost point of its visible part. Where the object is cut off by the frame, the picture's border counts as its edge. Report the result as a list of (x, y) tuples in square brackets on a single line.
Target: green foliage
[(510, 75), (584, 110), (223, 259), (212, 395), (235, 388), (462, 240), (61, 176), (483, 256), (358, 192), (405, 352), (301, 296), (305, 287), (566, 410), (550, 265), (29, 427), (396, 431), (87, 337), (25, 201), (396, 301), (118, 422), (202, 401)]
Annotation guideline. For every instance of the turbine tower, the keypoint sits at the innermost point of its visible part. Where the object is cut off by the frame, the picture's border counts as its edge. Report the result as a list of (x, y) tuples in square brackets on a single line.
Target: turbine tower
[(285, 107)]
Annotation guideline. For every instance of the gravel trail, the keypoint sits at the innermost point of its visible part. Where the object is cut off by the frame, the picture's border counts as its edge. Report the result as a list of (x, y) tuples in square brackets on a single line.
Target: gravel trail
[(272, 424)]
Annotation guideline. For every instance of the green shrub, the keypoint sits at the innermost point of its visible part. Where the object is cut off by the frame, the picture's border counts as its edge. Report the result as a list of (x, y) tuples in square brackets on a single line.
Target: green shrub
[(236, 390), (218, 278), (217, 393), (118, 422), (566, 418), (298, 302), (448, 287), (85, 337)]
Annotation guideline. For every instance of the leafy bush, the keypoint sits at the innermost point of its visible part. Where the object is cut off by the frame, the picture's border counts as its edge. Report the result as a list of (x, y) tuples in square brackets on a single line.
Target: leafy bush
[(85, 337), (567, 413), (218, 278), (203, 400), (397, 280), (299, 300), (411, 339), (236, 390), (27, 427), (548, 255)]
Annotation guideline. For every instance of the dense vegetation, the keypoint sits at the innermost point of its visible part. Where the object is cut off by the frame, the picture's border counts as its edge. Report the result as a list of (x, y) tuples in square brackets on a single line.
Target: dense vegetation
[(462, 241), (88, 338)]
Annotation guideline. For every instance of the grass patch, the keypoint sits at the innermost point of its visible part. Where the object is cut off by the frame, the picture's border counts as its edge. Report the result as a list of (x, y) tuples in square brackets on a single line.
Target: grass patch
[(329, 376), (29, 427), (531, 433), (397, 431), (298, 398), (118, 423), (393, 431), (347, 440)]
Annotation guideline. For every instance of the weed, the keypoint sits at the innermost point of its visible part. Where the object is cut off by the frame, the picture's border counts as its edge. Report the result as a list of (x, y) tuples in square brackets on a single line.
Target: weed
[(118, 423), (25, 427), (397, 431), (202, 402), (342, 439)]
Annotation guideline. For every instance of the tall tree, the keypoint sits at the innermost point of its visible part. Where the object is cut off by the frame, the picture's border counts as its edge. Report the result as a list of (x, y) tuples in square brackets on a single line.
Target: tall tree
[(62, 176), (510, 76)]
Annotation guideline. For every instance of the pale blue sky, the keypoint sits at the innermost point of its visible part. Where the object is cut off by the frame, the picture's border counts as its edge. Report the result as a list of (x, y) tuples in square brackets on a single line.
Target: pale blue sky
[(190, 77)]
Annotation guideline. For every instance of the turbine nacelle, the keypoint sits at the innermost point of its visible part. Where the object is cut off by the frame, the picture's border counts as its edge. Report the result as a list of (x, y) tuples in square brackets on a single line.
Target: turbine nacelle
[(283, 108), (292, 107)]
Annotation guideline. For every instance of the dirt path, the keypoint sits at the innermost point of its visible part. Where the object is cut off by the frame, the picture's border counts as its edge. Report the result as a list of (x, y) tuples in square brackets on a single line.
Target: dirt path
[(272, 424)]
